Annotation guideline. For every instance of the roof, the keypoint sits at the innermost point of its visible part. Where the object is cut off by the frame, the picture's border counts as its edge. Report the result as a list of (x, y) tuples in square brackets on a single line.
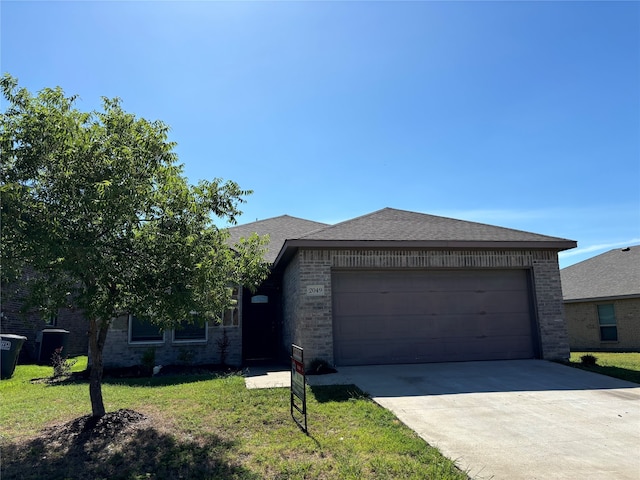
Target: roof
[(279, 229), (400, 226), (613, 274), (389, 228)]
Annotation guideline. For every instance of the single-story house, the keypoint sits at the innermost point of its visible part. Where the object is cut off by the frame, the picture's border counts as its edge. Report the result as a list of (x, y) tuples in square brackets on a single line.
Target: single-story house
[(602, 301), (392, 286), (31, 324)]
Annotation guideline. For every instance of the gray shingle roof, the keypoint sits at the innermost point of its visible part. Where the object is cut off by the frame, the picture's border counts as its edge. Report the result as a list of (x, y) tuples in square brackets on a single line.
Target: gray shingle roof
[(279, 229), (390, 224), (615, 273), (389, 228)]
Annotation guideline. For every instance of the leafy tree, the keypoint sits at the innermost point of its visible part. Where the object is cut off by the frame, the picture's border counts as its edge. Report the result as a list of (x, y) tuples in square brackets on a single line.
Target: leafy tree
[(97, 214)]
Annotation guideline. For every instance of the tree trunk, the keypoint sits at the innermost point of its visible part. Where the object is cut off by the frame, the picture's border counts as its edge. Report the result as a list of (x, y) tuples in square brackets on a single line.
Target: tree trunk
[(97, 335)]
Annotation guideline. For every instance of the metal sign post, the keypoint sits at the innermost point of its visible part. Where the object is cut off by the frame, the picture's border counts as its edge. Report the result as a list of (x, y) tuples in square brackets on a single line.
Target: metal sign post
[(298, 387)]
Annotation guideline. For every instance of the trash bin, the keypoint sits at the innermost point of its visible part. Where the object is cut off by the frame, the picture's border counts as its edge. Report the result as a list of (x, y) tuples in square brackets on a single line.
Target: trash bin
[(51, 339), (10, 346)]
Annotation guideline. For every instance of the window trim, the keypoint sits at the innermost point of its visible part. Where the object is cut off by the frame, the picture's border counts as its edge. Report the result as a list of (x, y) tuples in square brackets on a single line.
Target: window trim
[(613, 326), (183, 341), (233, 310), (142, 342), (51, 320)]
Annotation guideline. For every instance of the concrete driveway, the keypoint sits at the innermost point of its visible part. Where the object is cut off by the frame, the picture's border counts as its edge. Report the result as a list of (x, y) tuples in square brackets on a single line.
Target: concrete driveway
[(523, 419)]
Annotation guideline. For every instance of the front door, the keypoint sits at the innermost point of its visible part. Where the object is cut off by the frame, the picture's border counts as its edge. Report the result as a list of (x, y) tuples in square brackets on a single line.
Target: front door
[(260, 324)]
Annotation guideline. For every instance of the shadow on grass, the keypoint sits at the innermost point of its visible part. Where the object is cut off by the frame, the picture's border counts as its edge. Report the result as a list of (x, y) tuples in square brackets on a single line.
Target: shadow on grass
[(145, 380), (616, 372), (143, 454), (337, 393)]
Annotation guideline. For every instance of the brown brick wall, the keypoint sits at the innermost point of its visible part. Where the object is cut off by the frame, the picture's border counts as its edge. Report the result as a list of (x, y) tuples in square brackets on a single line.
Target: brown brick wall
[(308, 318), (30, 324), (584, 329)]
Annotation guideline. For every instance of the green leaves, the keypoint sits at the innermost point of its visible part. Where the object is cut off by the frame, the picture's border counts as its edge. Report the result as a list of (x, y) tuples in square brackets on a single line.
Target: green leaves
[(96, 204)]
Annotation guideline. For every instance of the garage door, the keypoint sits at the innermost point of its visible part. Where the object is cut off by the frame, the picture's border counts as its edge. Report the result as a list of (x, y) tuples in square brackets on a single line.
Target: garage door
[(431, 316)]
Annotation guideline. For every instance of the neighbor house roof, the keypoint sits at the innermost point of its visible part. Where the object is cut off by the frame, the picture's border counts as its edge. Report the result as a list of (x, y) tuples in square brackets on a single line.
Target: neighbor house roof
[(279, 229), (614, 274)]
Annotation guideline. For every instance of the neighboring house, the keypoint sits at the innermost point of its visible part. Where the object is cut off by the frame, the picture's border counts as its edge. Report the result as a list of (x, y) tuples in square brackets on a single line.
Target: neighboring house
[(389, 287), (32, 323), (602, 301)]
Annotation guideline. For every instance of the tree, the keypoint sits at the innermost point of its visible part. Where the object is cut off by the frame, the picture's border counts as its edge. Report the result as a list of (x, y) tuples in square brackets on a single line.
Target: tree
[(97, 214)]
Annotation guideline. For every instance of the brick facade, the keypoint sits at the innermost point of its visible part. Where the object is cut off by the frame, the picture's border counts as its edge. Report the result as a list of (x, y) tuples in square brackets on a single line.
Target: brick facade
[(119, 352), (31, 323), (584, 329), (308, 318)]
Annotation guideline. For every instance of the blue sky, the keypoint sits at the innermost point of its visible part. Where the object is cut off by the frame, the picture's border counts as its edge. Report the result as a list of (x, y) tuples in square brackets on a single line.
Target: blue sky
[(519, 114)]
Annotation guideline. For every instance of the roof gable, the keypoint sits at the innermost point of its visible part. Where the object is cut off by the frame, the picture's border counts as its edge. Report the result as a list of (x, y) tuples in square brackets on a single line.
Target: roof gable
[(279, 229), (615, 273)]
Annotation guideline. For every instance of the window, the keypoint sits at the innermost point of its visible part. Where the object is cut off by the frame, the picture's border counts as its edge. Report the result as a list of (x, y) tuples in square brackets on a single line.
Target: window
[(230, 317), (607, 321), (51, 320), (190, 332), (142, 330)]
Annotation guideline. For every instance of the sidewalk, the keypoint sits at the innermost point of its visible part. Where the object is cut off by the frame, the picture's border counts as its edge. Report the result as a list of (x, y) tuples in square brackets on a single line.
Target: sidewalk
[(280, 377)]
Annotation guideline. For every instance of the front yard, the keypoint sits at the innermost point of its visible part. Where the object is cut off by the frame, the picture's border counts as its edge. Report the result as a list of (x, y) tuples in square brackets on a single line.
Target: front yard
[(203, 427), (625, 366)]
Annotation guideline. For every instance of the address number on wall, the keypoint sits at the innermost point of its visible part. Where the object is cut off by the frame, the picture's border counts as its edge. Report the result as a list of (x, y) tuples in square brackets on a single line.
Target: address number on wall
[(315, 290)]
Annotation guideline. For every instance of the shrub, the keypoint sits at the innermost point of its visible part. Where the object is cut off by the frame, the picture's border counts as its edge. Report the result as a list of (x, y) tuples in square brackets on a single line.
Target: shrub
[(319, 367), (61, 365), (588, 360), (148, 361)]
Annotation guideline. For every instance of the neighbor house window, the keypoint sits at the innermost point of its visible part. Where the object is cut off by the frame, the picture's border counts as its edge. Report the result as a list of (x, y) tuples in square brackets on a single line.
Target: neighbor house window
[(143, 331), (51, 320), (190, 332), (230, 317), (607, 321)]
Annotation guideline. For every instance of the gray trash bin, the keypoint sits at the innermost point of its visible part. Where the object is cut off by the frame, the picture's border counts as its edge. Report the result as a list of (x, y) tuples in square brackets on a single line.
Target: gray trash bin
[(10, 346), (51, 339)]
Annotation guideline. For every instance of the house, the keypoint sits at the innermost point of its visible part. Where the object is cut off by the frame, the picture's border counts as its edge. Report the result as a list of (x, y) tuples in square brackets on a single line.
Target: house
[(392, 286), (32, 323), (602, 301)]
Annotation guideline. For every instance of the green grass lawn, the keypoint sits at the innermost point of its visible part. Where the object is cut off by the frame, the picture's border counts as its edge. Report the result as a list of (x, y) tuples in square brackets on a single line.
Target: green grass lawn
[(206, 427), (625, 366)]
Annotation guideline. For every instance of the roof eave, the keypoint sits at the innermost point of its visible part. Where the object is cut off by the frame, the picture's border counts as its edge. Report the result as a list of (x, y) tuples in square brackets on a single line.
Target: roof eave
[(601, 298), (291, 246)]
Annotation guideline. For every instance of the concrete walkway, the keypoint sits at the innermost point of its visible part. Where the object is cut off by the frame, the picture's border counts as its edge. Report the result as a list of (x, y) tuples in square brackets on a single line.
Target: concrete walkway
[(516, 420)]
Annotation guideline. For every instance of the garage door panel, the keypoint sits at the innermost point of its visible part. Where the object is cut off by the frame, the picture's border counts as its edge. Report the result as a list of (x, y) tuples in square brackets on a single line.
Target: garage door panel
[(373, 303), (508, 324), (505, 301), (418, 316)]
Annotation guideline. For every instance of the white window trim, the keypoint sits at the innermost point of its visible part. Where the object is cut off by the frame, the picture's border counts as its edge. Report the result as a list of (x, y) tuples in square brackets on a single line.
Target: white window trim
[(221, 318), (235, 305), (613, 325), (191, 340), (142, 342)]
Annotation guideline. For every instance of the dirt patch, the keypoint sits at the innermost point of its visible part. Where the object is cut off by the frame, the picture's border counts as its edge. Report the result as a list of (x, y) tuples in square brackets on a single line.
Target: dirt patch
[(121, 445), (83, 429)]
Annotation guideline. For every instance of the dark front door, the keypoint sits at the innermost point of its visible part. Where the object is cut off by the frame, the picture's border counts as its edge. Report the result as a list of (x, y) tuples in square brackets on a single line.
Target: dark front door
[(260, 324)]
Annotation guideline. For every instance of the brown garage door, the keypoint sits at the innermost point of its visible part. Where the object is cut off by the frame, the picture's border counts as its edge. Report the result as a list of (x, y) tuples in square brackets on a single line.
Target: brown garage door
[(431, 316)]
